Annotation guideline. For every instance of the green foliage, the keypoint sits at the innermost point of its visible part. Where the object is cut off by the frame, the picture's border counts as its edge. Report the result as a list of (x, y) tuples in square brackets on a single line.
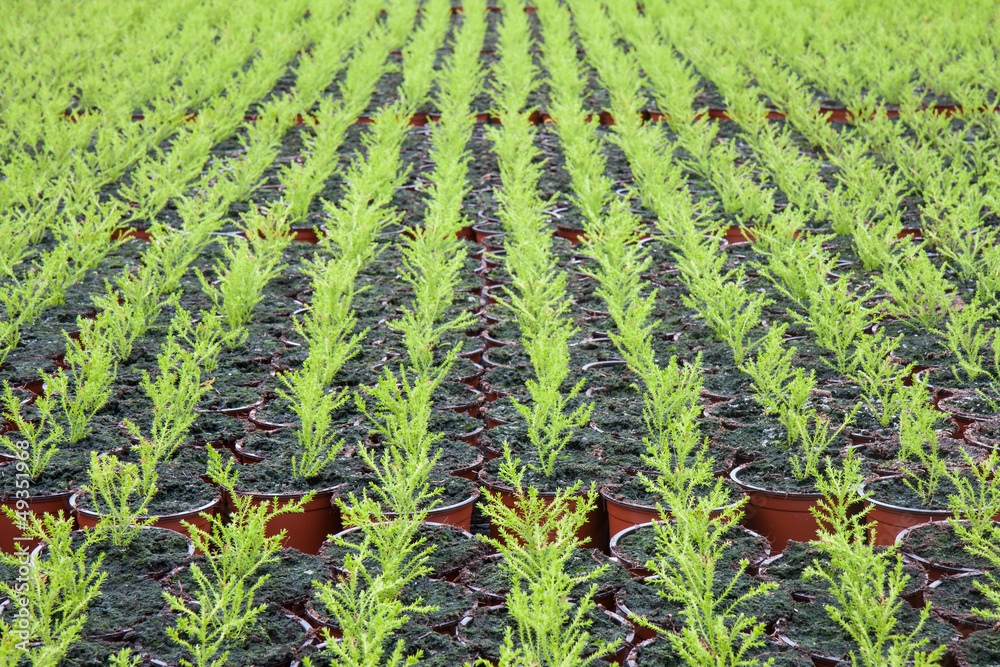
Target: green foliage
[(729, 309), (401, 413), (839, 318), (966, 337), (865, 581), (120, 494), (126, 314), (689, 548), (43, 436), (250, 264), (174, 393), (314, 405), (538, 535), (976, 503), (771, 370), (328, 324), (84, 388), (60, 585), (225, 590), (366, 605), (550, 424), (881, 379), (919, 292)]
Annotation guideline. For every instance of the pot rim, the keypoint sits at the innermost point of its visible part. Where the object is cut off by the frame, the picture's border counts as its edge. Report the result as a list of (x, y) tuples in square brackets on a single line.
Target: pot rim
[(899, 508), (950, 570), (771, 493), (74, 500)]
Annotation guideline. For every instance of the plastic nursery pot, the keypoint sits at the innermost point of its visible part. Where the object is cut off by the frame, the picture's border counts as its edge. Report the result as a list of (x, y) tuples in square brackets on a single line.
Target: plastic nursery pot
[(637, 568), (11, 537), (594, 532), (458, 514), (818, 659), (985, 434), (254, 419), (934, 568), (449, 571), (471, 471), (89, 519), (642, 633), (891, 520), (965, 409), (980, 649), (623, 514), (497, 614), (778, 515), (964, 620), (574, 235), (305, 530)]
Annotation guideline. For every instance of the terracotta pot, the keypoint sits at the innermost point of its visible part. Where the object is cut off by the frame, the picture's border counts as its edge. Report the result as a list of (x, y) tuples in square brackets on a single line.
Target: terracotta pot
[(11, 537), (961, 415), (241, 411), (471, 471), (457, 514), (973, 434), (819, 659), (965, 624), (622, 515), (594, 532), (305, 530), (450, 574), (574, 235), (778, 515), (472, 437), (243, 456), (642, 633), (317, 618), (474, 379), (607, 363), (633, 659), (492, 342), (934, 569), (615, 657), (472, 405), (266, 425), (637, 569), (89, 519), (891, 520), (484, 230), (305, 234)]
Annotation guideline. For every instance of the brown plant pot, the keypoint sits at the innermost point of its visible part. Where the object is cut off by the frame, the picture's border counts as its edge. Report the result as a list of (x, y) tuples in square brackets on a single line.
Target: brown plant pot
[(642, 633), (962, 417), (934, 569), (963, 623), (622, 515), (594, 532), (51, 503), (451, 574), (305, 530), (471, 471), (891, 520), (973, 434), (616, 657), (458, 514), (89, 519), (264, 424), (778, 515)]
